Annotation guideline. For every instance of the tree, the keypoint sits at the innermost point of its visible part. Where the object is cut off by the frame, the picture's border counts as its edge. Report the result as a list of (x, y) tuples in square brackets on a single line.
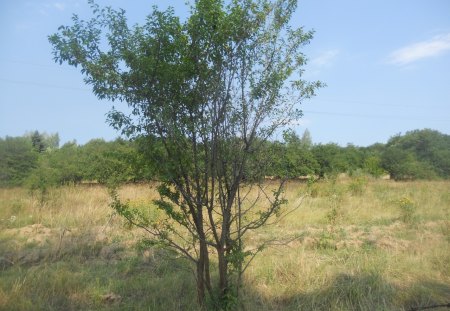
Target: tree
[(43, 141), (56, 167), (51, 141), (298, 159), (400, 163), (372, 159), (211, 90), (109, 162), (372, 166), (330, 158), (418, 154), (38, 142), (306, 140), (17, 160), (353, 157)]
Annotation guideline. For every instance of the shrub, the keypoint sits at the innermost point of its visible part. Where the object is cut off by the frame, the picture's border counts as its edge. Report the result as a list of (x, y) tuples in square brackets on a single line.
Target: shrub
[(357, 186), (407, 209)]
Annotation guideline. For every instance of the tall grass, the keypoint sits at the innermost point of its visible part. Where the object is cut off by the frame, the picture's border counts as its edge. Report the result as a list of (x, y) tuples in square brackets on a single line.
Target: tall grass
[(350, 248)]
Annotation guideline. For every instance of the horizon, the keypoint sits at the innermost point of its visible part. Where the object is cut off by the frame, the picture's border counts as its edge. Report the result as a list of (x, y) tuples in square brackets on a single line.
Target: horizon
[(30, 133)]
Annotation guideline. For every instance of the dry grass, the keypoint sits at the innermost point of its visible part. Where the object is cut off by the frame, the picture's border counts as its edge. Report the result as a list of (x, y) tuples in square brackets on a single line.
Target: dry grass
[(353, 250)]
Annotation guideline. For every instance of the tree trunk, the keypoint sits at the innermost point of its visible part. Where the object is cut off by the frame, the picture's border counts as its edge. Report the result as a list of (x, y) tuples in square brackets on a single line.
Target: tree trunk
[(223, 274), (203, 274), (200, 282)]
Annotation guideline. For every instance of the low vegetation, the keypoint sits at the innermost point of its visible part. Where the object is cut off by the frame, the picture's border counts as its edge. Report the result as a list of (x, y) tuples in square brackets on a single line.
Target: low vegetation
[(36, 160), (352, 244)]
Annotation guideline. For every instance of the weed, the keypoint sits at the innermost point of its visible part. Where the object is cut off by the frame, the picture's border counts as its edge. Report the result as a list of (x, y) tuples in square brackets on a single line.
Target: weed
[(357, 186), (368, 245), (17, 206), (445, 229), (334, 213), (407, 209), (312, 187), (326, 240)]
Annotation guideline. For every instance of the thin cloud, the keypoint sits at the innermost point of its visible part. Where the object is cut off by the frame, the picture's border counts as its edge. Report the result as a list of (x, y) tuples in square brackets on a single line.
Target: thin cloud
[(59, 6), (325, 58), (430, 48), (45, 8)]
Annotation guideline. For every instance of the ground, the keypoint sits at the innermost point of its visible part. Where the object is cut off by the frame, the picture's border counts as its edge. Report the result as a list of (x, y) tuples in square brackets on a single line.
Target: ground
[(348, 244)]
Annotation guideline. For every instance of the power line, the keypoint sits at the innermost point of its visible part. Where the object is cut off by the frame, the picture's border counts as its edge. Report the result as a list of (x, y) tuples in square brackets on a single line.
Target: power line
[(352, 115), (373, 104), (45, 85), (318, 99), (28, 63)]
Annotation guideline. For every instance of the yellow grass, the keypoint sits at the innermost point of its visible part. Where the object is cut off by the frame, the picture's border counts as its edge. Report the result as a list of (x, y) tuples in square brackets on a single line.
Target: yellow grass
[(351, 248)]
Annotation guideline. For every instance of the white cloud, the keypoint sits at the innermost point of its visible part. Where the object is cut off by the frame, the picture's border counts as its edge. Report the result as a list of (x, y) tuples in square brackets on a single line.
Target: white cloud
[(325, 58), (47, 7), (59, 6), (436, 46)]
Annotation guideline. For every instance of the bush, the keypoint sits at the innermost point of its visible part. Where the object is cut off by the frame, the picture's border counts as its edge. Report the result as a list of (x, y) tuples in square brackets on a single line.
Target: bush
[(407, 209), (357, 186)]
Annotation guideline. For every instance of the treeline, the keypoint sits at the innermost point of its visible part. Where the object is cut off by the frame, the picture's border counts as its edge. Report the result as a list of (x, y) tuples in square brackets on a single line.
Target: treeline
[(37, 161)]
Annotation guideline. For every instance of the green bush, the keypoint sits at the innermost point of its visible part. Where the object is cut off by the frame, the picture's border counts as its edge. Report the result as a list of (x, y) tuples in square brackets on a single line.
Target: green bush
[(407, 209), (357, 186)]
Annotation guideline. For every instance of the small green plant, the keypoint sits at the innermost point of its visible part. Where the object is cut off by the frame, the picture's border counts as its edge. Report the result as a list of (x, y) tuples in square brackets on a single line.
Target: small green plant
[(407, 209), (17, 206), (334, 213), (445, 229), (39, 183), (357, 186), (326, 240), (312, 187)]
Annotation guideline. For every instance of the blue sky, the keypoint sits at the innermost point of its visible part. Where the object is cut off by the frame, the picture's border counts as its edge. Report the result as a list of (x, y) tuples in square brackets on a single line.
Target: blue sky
[(386, 64)]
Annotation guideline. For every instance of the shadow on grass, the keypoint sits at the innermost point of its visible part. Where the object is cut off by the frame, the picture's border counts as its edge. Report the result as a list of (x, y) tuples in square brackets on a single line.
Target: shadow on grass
[(94, 276), (110, 277), (354, 292)]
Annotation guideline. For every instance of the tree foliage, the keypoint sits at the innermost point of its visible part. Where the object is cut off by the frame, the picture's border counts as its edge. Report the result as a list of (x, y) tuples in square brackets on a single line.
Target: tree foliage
[(293, 157), (111, 162), (43, 141), (122, 161), (211, 90), (418, 154), (17, 159)]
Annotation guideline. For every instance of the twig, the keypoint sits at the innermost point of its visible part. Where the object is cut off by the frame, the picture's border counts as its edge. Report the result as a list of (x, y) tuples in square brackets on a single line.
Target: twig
[(61, 236)]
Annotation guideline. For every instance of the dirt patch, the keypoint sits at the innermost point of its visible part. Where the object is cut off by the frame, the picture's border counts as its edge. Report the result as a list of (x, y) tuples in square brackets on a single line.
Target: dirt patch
[(41, 235), (112, 251), (391, 243), (353, 237), (308, 242), (32, 244), (349, 244), (32, 256), (36, 234), (111, 298)]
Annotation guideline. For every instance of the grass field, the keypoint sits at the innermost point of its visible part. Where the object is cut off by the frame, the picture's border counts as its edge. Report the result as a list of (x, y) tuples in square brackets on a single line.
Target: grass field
[(356, 244)]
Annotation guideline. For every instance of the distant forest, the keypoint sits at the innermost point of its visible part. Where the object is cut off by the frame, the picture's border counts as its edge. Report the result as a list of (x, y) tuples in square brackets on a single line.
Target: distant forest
[(36, 159)]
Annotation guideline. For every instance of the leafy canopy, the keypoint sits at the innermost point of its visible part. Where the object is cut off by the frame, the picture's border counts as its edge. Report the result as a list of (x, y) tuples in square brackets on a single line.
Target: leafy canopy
[(211, 91)]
